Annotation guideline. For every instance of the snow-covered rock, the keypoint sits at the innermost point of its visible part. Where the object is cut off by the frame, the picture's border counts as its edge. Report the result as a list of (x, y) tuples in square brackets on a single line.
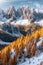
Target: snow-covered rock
[(21, 22), (36, 60), (39, 22)]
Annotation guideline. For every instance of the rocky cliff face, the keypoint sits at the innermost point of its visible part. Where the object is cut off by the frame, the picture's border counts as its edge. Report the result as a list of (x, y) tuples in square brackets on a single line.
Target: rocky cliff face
[(11, 13)]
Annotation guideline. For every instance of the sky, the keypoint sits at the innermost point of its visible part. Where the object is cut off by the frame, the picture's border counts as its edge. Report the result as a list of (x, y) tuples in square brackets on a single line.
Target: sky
[(32, 3)]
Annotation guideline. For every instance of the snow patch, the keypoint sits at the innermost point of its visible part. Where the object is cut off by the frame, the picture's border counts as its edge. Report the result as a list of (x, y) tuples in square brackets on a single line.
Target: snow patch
[(21, 22), (39, 22), (25, 49), (12, 54), (3, 43), (40, 41), (1, 22)]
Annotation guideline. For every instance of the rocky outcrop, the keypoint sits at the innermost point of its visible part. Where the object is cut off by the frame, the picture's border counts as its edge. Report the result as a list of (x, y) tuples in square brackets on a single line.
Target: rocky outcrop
[(11, 13)]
